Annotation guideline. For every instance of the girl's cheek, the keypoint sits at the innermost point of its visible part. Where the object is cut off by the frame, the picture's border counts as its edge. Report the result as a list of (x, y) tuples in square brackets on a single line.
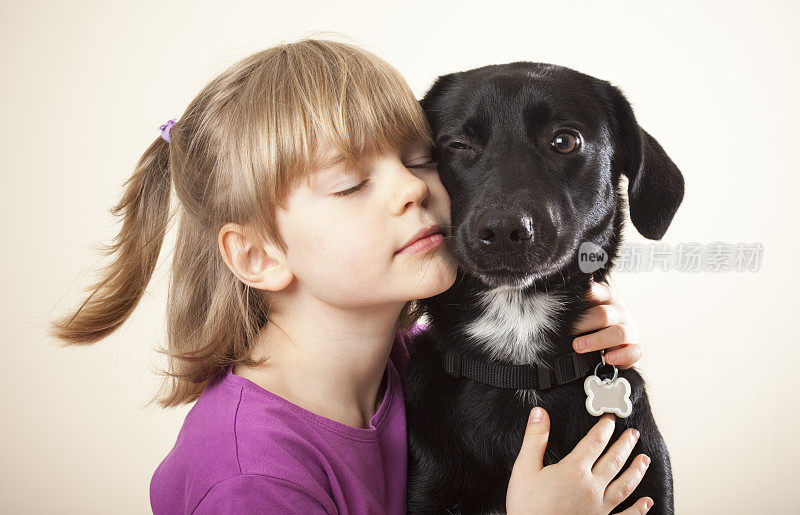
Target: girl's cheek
[(344, 250), (362, 255)]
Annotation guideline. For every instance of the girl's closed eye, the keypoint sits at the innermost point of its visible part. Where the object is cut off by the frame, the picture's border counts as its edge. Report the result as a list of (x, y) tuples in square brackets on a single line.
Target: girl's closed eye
[(351, 190), (422, 158), (429, 163), (426, 162)]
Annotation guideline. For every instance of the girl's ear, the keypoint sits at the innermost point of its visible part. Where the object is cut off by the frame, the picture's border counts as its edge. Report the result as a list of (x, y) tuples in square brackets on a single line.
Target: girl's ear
[(257, 264), (655, 185)]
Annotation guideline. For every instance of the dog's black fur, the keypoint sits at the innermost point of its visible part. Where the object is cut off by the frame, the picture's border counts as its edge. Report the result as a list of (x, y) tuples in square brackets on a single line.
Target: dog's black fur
[(520, 210)]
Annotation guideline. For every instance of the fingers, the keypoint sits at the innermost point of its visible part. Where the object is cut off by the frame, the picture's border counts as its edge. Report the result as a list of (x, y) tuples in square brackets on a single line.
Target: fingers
[(613, 460), (589, 448), (625, 356), (643, 505), (531, 454), (599, 293), (623, 486), (618, 334), (613, 329), (598, 317)]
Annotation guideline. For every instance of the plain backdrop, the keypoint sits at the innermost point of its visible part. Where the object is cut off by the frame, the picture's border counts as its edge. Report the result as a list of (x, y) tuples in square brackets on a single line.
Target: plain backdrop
[(86, 84)]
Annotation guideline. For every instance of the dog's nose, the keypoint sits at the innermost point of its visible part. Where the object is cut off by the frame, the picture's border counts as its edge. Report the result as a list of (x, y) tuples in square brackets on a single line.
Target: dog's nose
[(504, 231)]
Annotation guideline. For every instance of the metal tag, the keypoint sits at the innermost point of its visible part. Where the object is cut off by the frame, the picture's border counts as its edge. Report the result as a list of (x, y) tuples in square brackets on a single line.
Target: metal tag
[(608, 395)]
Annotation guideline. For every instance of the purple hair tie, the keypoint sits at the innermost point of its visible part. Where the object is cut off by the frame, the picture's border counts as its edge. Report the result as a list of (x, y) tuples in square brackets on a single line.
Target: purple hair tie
[(165, 129)]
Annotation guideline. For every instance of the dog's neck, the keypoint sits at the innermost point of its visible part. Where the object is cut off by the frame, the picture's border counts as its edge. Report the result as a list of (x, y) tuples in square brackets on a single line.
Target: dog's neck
[(515, 326), (519, 326)]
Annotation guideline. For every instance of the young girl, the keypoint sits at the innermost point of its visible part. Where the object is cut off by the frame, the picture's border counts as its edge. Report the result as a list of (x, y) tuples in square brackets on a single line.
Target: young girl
[(301, 172)]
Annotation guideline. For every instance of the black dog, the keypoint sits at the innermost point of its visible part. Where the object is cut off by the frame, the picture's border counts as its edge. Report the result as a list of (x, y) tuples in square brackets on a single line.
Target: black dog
[(532, 156)]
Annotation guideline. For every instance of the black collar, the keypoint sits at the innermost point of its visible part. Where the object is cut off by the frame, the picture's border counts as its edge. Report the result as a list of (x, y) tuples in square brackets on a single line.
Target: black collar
[(565, 369)]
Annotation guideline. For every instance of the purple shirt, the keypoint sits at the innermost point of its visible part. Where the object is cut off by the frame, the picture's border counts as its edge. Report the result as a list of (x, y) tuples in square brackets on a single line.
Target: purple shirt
[(243, 449)]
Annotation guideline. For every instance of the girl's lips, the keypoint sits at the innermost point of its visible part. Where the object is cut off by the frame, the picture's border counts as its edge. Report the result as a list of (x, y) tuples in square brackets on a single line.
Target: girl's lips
[(422, 233), (423, 244)]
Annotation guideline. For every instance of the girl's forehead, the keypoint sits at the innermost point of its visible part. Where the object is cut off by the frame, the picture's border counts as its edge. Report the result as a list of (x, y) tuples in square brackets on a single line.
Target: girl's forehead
[(327, 155)]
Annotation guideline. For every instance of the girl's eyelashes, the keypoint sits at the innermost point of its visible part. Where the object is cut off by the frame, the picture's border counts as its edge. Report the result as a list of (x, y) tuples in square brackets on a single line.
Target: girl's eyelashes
[(426, 164), (351, 190)]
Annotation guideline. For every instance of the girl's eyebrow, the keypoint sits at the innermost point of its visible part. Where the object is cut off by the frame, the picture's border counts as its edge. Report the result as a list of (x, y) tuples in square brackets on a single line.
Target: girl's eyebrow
[(328, 168), (330, 163)]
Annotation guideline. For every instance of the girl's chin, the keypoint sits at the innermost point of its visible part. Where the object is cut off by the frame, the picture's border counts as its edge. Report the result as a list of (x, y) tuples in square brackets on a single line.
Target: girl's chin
[(437, 285)]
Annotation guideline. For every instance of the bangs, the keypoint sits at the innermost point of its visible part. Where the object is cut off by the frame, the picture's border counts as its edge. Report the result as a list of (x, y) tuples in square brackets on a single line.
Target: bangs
[(351, 101)]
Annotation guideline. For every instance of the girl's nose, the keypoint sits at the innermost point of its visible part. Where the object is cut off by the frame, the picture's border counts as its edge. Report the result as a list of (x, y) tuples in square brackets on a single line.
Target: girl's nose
[(410, 189)]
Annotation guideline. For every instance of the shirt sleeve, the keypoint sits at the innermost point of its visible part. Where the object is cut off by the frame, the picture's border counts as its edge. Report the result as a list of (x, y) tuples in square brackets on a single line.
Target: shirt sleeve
[(255, 493)]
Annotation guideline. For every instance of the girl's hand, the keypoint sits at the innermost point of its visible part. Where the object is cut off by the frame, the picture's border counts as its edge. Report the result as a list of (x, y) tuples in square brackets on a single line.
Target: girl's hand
[(580, 482), (616, 329)]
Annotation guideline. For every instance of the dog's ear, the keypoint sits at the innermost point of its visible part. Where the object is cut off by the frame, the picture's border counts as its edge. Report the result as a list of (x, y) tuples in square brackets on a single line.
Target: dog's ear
[(434, 101), (655, 185)]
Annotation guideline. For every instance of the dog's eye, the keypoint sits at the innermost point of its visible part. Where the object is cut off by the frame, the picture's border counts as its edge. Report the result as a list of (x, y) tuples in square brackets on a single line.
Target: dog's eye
[(566, 142), (460, 146)]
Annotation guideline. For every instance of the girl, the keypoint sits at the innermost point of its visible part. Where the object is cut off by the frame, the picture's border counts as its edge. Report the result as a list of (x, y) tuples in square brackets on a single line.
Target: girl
[(301, 172)]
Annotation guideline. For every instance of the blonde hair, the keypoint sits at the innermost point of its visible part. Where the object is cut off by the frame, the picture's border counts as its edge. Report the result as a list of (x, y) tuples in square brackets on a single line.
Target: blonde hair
[(233, 156)]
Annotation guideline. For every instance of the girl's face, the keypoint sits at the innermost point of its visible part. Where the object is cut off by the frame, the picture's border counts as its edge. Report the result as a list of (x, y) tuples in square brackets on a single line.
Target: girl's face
[(343, 232)]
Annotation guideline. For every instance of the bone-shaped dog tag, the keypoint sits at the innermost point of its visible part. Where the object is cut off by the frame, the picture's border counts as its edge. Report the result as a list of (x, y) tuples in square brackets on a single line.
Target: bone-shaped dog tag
[(608, 395)]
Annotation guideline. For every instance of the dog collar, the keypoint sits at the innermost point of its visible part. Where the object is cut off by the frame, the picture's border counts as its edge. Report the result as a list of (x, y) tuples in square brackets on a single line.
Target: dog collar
[(566, 368)]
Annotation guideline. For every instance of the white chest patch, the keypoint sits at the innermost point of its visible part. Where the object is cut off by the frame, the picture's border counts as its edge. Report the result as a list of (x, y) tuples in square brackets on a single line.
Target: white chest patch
[(512, 326)]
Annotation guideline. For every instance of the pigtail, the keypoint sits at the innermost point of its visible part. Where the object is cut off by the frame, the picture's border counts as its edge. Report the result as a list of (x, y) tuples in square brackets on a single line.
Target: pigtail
[(144, 209)]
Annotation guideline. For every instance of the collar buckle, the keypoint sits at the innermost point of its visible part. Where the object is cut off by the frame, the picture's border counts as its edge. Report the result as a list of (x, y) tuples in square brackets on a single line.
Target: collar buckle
[(564, 373), (456, 364)]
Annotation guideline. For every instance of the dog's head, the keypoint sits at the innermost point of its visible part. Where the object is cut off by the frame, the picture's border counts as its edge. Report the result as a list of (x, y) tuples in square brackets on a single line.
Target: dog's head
[(532, 155)]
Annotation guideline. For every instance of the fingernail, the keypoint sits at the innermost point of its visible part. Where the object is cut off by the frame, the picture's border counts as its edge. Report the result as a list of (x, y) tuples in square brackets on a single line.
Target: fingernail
[(536, 415), (646, 460), (648, 504), (580, 344), (635, 434)]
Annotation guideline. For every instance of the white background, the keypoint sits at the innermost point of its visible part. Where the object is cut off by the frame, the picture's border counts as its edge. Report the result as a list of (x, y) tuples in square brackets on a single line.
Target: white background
[(86, 84)]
